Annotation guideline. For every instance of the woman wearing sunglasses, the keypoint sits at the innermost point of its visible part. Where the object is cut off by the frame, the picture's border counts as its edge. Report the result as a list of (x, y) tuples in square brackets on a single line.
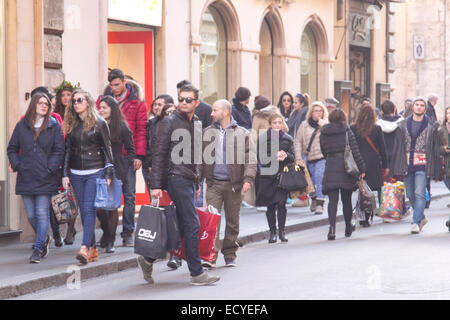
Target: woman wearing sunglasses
[(88, 151), (36, 151)]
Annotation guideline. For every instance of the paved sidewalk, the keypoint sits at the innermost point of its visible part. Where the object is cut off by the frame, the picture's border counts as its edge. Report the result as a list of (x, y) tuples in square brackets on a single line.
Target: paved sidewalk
[(19, 277)]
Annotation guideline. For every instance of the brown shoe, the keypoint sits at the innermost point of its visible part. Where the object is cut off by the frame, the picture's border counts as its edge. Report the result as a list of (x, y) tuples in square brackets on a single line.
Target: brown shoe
[(93, 255), (83, 255), (301, 203)]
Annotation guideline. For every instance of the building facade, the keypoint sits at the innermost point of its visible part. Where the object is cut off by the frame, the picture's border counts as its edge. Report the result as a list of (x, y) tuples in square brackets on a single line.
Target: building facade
[(326, 48)]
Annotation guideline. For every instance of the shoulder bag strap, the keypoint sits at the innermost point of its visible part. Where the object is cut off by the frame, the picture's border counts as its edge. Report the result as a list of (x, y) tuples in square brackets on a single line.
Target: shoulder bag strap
[(371, 144), (312, 139)]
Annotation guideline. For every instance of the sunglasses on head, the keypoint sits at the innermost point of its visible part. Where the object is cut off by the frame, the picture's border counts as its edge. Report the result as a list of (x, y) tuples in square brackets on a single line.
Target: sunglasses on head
[(188, 100), (79, 100)]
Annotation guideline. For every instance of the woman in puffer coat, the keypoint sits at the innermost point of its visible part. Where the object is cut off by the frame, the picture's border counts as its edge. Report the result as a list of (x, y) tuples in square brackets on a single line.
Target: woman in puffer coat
[(307, 148), (36, 151), (336, 180)]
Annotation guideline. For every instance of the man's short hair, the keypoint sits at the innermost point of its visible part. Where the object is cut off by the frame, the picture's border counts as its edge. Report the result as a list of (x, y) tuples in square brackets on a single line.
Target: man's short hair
[(116, 74), (190, 88), (432, 96), (183, 83), (388, 107)]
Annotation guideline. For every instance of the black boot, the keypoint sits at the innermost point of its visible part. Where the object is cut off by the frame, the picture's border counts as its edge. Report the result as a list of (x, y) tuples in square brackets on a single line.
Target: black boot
[(348, 231), (110, 247), (172, 263), (332, 233), (58, 239), (282, 235), (273, 236)]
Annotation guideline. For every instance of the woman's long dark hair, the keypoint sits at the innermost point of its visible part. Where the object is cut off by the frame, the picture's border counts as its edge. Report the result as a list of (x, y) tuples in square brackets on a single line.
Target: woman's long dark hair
[(30, 115), (281, 107), (365, 122), (59, 107), (117, 119)]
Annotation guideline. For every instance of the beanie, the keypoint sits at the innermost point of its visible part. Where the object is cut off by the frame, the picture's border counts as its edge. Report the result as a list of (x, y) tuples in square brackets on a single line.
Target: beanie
[(420, 98)]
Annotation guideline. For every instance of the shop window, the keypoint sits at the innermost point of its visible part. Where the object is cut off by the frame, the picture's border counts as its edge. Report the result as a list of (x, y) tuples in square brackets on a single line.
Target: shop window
[(213, 57), (309, 64)]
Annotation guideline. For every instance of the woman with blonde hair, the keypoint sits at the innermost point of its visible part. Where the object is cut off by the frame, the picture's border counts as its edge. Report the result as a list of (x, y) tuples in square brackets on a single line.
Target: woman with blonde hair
[(307, 148), (88, 157)]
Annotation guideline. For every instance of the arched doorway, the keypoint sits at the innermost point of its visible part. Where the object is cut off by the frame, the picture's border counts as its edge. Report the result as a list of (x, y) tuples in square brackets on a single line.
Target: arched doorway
[(213, 56), (272, 56), (309, 71), (219, 65), (315, 60)]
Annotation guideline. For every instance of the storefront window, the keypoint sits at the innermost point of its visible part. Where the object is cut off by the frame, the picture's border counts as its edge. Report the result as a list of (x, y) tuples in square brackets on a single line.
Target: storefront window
[(309, 64), (3, 138), (213, 57)]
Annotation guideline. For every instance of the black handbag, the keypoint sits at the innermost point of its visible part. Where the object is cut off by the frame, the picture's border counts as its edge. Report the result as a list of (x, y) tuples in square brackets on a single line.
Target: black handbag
[(350, 164), (65, 206), (292, 178)]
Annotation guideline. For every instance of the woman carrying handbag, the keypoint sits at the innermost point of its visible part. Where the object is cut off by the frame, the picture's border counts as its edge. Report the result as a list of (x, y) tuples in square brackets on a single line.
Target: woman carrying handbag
[(88, 151), (335, 137), (121, 139), (269, 193), (370, 139), (36, 151)]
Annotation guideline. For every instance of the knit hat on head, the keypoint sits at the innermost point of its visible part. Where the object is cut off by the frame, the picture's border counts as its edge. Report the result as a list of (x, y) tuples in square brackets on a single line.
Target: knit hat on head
[(261, 102), (242, 94), (420, 98)]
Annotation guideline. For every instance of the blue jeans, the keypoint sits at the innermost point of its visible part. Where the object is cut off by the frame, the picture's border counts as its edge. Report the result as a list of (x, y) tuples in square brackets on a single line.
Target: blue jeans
[(182, 192), (447, 182), (416, 186), (85, 188), (129, 207), (317, 170), (38, 214)]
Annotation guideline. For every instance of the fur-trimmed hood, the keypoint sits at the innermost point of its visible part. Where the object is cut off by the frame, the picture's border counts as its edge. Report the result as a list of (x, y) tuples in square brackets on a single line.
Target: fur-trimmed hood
[(265, 113), (136, 91)]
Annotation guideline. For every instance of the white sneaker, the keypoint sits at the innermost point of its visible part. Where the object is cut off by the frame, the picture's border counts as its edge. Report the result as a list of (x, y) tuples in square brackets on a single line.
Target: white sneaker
[(415, 228), (246, 205)]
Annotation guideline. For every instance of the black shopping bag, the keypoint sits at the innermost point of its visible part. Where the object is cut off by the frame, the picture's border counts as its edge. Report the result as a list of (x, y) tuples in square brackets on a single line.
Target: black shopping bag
[(173, 231), (151, 233)]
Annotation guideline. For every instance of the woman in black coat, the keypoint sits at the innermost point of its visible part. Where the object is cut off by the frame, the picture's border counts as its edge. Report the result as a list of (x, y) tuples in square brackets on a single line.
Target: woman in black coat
[(36, 152), (121, 138), (370, 139), (336, 179), (268, 193)]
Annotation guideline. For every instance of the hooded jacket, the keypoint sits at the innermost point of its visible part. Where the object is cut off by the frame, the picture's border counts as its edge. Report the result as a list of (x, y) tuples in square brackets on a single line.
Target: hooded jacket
[(134, 109), (393, 137)]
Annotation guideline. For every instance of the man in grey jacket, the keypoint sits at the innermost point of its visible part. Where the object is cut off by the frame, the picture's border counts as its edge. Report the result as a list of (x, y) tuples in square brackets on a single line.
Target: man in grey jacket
[(229, 168)]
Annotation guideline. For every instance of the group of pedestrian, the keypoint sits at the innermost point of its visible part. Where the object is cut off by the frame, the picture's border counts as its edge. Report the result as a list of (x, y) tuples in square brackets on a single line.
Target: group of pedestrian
[(81, 140)]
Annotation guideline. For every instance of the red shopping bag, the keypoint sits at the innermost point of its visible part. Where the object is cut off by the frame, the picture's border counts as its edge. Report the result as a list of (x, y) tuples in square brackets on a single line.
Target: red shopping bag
[(209, 220)]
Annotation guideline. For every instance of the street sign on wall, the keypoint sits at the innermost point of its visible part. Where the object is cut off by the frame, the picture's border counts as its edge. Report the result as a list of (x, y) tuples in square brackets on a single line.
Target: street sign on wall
[(147, 12), (419, 47)]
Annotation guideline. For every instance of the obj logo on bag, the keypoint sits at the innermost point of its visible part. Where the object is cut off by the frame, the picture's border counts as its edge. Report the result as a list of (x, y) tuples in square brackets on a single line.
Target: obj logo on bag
[(146, 235)]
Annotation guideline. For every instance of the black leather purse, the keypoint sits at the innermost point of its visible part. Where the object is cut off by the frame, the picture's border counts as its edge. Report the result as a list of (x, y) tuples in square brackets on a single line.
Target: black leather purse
[(292, 178)]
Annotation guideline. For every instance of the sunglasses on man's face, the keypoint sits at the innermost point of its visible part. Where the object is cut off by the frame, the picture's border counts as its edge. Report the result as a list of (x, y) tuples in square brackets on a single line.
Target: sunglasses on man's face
[(188, 100), (79, 100)]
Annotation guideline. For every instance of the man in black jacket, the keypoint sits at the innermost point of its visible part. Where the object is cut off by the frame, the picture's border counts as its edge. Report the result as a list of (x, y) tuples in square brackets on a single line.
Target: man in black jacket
[(174, 153), (203, 112)]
